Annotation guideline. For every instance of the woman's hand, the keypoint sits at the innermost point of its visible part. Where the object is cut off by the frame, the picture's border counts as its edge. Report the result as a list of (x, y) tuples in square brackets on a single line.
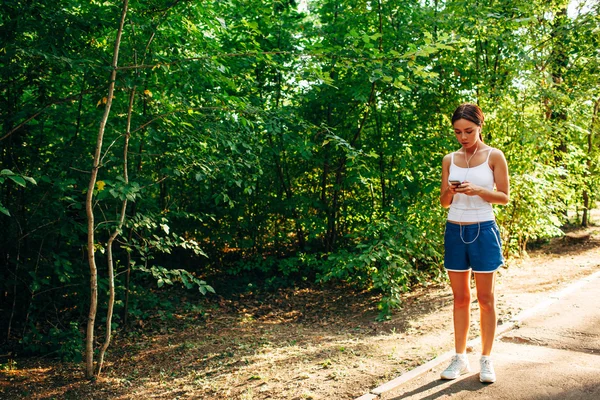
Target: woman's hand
[(468, 188), (452, 188)]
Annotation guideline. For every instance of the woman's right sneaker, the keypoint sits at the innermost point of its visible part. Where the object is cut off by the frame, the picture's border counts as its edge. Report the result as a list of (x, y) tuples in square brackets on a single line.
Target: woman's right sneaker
[(458, 366)]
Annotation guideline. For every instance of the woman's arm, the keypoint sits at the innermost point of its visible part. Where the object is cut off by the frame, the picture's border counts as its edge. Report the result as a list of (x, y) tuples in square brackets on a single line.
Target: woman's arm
[(446, 191)]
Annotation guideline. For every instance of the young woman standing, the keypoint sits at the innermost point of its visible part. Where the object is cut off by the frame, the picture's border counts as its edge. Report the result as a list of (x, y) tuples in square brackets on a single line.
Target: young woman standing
[(473, 178)]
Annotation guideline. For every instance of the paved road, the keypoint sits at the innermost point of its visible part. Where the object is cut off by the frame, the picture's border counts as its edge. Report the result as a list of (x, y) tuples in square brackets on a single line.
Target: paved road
[(554, 353)]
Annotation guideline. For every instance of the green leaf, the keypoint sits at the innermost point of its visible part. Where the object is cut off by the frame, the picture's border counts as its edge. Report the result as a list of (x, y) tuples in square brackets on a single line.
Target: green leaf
[(4, 210), (30, 180), (18, 180), (185, 281)]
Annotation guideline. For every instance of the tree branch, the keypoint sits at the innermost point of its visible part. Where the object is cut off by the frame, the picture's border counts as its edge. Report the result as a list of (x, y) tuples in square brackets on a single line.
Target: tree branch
[(59, 101)]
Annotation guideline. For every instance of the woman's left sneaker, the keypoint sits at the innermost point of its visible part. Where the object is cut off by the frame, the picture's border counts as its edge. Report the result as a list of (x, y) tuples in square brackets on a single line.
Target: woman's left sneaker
[(487, 374)]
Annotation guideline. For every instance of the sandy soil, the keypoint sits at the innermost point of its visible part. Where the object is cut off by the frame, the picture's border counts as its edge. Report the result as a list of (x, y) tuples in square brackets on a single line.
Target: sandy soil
[(298, 344)]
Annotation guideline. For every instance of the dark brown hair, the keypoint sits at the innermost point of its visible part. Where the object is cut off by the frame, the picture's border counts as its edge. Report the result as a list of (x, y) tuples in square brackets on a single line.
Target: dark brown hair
[(470, 112)]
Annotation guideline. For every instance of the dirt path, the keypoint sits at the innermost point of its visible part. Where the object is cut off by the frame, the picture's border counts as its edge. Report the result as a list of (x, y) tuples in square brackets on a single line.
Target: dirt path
[(298, 344)]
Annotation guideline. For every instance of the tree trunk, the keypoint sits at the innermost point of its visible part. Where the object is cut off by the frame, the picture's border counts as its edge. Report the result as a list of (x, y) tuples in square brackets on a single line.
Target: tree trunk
[(89, 340), (590, 141), (14, 303), (556, 113), (382, 166), (111, 239), (332, 220), (332, 217)]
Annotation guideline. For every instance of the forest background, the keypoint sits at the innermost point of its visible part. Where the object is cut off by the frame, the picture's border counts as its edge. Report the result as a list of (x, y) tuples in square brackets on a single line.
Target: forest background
[(230, 146)]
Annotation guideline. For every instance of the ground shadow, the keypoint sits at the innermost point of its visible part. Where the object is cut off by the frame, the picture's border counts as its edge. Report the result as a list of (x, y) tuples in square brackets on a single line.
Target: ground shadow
[(469, 383)]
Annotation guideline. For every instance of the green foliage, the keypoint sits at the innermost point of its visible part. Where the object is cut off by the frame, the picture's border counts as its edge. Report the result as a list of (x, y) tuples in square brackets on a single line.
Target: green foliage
[(273, 143), (535, 209), (17, 179), (390, 256), (153, 235), (166, 276), (146, 302), (271, 273), (10, 365), (63, 342)]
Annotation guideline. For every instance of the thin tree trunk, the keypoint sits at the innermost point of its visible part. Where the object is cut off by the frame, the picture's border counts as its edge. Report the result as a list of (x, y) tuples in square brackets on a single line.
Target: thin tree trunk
[(590, 139), (127, 284), (558, 64), (378, 121), (111, 239), (280, 164), (382, 166), (332, 221), (325, 174), (133, 212), (79, 112), (89, 341), (14, 304), (339, 177), (37, 264)]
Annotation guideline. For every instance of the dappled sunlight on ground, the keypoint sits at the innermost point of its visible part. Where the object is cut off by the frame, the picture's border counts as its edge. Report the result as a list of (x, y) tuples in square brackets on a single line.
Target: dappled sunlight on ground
[(297, 343)]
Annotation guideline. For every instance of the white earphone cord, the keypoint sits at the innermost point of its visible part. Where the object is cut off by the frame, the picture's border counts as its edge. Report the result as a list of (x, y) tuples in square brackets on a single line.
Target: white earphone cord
[(476, 237), (476, 210)]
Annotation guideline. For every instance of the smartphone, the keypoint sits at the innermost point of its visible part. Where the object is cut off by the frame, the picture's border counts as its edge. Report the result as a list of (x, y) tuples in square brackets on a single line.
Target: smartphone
[(455, 183)]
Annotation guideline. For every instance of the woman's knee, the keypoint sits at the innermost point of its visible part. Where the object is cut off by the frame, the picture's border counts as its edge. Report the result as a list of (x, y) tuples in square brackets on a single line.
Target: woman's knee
[(487, 301), (462, 300)]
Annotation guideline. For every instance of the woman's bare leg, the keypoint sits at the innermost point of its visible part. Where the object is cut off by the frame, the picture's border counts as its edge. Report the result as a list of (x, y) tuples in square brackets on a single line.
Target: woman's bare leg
[(485, 283), (461, 290)]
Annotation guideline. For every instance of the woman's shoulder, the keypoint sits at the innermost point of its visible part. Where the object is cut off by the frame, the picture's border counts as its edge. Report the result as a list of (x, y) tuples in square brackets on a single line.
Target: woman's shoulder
[(495, 152), (451, 154), (496, 156)]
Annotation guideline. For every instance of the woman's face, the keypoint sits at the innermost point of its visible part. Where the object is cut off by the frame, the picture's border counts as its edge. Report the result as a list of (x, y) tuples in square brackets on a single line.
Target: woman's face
[(467, 132)]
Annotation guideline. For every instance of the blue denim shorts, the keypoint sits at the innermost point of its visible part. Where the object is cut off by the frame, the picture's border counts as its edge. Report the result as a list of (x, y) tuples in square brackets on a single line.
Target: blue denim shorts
[(479, 249)]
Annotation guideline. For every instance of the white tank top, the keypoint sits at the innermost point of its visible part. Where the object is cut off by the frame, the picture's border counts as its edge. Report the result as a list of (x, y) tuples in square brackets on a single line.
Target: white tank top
[(471, 208)]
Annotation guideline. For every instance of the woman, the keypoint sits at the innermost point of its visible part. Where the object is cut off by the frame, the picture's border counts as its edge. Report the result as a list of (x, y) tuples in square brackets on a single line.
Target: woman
[(473, 178)]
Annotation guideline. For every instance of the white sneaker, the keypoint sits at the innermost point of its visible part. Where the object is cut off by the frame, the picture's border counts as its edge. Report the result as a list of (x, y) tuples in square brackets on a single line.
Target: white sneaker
[(458, 366), (487, 374)]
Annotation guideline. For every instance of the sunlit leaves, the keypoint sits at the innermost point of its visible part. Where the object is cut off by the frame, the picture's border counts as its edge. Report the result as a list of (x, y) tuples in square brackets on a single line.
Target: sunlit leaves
[(166, 276)]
